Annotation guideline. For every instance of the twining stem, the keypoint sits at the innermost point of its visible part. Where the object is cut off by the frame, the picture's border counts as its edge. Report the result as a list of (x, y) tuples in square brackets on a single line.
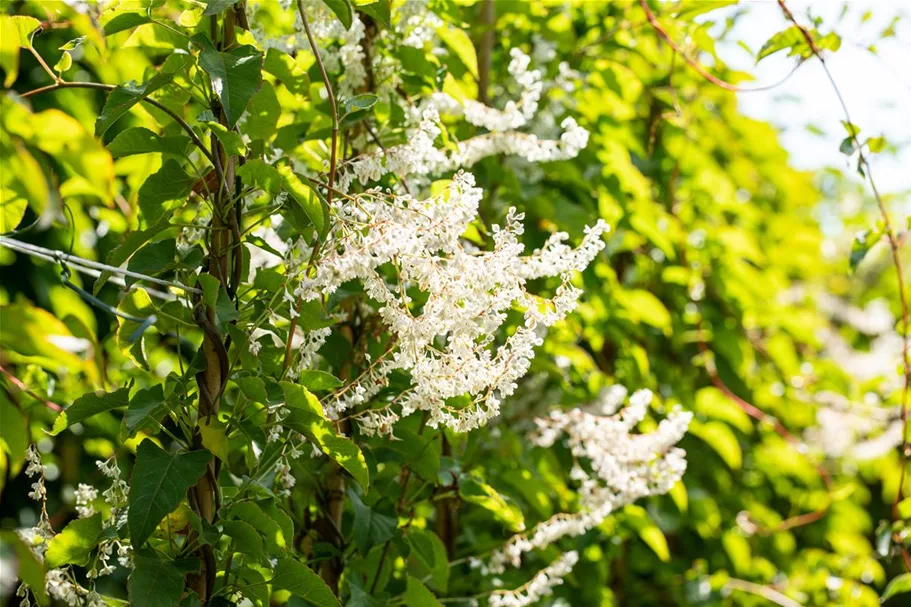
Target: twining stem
[(896, 259)]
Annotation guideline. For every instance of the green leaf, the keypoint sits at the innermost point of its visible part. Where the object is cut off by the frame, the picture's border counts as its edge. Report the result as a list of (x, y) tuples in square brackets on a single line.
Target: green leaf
[(171, 182), (25, 26), (252, 513), (305, 196), (65, 63), (847, 146), (428, 557), (236, 75), (160, 481), (263, 114), (637, 517), (214, 438), (298, 579), (287, 71), (124, 97), (12, 210), (876, 144), (140, 140), (28, 568), (460, 44), (75, 543), (258, 174), (135, 303), (246, 539), (155, 258), (125, 21), (319, 380), (852, 129), (371, 527), (863, 242), (154, 582), (342, 10), (308, 418), (11, 41), (787, 38), (359, 102), (418, 595), (88, 405), (213, 7), (899, 585), (476, 492), (146, 407), (721, 439), (14, 434), (422, 453), (232, 142), (380, 10)]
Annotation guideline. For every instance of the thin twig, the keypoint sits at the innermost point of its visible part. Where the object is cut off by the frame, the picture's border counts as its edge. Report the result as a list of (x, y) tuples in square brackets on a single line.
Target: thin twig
[(333, 160), (769, 594), (19, 384), (110, 87), (896, 259), (698, 67)]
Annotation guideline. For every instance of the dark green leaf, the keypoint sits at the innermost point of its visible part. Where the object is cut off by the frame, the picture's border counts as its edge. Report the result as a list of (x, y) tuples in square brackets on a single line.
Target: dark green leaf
[(371, 527), (154, 582), (298, 579), (125, 21), (418, 595), (160, 481), (308, 418), (171, 182), (146, 407), (213, 7), (140, 140), (261, 175), (319, 380), (124, 97), (236, 75), (88, 405), (342, 10)]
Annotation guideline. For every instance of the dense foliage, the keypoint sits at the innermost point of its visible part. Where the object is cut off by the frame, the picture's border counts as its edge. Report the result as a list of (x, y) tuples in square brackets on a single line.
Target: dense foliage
[(371, 302)]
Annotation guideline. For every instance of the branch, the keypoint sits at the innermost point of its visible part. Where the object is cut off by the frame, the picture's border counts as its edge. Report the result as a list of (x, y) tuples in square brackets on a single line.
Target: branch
[(698, 67), (110, 87), (19, 384)]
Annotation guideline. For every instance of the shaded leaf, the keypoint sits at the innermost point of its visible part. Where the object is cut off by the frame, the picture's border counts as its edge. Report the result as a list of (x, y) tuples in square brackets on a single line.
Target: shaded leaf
[(160, 481)]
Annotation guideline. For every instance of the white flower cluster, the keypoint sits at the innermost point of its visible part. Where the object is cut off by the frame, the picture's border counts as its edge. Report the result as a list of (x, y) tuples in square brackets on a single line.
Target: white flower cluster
[(85, 496), (61, 586), (854, 430), (514, 115), (540, 586), (620, 466), (419, 156), (449, 342)]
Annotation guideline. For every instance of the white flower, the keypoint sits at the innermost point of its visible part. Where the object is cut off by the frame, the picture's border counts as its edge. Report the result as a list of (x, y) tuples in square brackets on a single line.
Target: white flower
[(624, 466), (85, 495), (540, 586)]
